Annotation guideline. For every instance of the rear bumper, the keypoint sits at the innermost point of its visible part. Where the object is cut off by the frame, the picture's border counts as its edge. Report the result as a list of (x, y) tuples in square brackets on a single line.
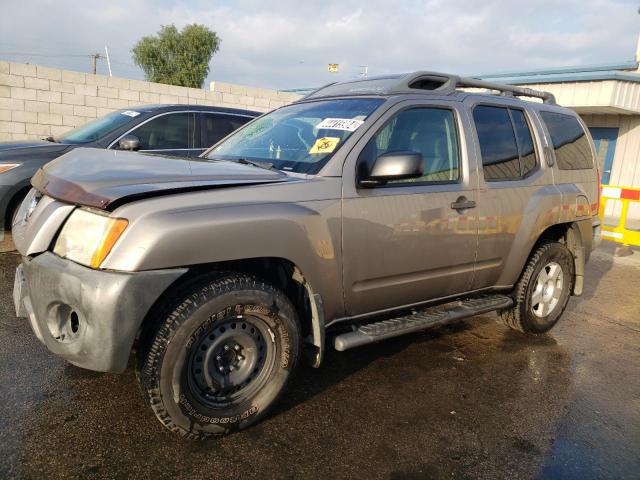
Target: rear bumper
[(88, 317)]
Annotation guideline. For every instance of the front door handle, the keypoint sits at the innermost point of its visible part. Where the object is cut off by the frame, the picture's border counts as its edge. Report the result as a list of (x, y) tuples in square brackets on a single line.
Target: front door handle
[(462, 204)]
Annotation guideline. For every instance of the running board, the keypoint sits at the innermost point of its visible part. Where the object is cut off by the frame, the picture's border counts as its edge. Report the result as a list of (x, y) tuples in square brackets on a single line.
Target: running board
[(419, 320)]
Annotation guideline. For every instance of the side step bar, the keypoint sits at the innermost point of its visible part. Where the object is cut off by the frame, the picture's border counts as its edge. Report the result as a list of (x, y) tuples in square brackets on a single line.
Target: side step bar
[(420, 320)]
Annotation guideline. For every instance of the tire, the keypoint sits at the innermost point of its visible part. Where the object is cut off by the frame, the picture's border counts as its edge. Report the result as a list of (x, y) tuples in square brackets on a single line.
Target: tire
[(221, 358), (541, 297)]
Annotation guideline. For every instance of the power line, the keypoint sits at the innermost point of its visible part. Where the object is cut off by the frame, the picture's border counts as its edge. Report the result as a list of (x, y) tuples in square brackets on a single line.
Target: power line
[(32, 54)]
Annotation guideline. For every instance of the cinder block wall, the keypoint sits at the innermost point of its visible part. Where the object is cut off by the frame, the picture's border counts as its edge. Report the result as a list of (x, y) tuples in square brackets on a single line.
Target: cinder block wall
[(38, 101)]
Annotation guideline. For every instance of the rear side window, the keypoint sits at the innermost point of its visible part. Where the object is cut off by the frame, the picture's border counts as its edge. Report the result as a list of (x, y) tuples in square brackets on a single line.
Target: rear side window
[(500, 159), (506, 144), (569, 141), (173, 131), (216, 126)]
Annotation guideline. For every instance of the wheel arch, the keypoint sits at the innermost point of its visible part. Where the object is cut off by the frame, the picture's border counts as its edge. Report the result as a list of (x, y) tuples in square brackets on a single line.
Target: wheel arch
[(572, 235), (280, 272), (13, 202)]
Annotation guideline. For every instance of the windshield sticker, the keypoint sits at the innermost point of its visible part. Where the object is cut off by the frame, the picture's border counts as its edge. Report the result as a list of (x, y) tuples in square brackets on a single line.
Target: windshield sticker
[(324, 145), (130, 113), (347, 124)]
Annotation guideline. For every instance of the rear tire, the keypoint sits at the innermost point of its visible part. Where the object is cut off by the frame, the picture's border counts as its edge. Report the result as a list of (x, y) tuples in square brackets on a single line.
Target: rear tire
[(222, 357), (543, 291)]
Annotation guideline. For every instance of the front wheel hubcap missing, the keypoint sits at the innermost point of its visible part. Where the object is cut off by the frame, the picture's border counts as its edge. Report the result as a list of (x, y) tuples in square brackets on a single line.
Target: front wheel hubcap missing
[(230, 362), (547, 290)]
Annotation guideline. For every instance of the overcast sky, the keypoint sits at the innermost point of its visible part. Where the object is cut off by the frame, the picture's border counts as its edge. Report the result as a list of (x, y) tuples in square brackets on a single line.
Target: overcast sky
[(288, 43)]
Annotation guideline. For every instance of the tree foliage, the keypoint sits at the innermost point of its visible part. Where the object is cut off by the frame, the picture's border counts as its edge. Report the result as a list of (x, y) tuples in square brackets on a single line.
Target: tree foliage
[(177, 57)]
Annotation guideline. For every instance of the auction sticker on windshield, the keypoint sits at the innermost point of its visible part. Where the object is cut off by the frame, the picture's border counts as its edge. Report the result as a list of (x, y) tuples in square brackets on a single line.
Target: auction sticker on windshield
[(324, 145), (347, 124), (130, 113)]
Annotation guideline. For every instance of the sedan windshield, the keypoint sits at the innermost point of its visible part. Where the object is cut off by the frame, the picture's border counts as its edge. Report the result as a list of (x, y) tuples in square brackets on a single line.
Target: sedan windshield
[(299, 138), (99, 127)]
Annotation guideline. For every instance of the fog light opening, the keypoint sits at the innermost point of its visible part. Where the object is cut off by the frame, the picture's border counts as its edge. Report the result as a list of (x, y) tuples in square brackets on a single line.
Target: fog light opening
[(74, 322)]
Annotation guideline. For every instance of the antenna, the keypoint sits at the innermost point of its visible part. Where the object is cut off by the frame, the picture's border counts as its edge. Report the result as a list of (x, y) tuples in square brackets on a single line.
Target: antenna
[(106, 52)]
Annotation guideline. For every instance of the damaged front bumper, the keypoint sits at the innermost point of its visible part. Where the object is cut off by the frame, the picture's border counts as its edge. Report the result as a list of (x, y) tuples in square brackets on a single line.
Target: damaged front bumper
[(88, 317)]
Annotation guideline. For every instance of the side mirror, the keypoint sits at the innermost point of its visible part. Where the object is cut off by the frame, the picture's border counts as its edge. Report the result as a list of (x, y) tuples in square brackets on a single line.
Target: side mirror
[(129, 142), (394, 166)]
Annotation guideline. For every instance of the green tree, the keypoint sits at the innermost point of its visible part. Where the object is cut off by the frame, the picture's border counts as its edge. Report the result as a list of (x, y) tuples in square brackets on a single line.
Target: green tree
[(177, 58)]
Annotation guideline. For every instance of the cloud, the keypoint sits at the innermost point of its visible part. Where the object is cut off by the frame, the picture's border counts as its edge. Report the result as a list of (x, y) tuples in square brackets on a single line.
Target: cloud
[(287, 44)]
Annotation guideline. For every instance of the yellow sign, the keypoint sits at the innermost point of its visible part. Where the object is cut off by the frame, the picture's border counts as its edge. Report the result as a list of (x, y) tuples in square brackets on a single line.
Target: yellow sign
[(325, 145), (333, 68)]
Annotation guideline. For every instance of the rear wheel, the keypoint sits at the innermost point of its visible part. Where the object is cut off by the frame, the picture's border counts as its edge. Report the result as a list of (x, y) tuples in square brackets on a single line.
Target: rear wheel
[(222, 357), (543, 291)]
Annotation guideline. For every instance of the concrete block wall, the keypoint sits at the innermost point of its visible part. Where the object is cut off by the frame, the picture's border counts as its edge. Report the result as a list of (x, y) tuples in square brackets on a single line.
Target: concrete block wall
[(37, 101), (252, 98)]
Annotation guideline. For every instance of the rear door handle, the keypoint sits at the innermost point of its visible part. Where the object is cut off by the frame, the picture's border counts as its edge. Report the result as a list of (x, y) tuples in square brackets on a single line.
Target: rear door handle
[(462, 204)]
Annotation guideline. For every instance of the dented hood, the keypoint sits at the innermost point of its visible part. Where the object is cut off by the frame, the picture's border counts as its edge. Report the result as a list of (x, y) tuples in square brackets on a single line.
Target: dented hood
[(108, 178)]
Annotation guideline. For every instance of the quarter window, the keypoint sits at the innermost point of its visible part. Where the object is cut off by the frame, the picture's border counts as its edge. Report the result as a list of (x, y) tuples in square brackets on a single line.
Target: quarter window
[(569, 141), (429, 131), (215, 127), (173, 131), (525, 142), (506, 144)]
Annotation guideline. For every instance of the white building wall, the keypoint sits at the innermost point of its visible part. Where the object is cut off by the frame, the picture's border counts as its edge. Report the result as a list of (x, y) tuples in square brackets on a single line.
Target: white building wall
[(625, 170)]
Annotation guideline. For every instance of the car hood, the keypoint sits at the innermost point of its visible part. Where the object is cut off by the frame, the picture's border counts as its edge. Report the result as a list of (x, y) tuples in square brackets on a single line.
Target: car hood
[(106, 178), (29, 147)]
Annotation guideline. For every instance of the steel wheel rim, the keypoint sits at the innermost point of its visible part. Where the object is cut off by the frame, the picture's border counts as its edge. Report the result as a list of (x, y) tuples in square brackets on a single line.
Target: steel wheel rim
[(548, 290), (231, 361)]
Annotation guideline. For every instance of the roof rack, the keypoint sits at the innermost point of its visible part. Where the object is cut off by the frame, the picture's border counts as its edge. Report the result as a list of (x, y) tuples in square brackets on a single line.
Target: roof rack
[(507, 90), (423, 82)]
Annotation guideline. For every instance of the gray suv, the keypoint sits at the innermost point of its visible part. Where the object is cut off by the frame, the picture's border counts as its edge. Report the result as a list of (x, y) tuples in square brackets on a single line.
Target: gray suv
[(367, 210)]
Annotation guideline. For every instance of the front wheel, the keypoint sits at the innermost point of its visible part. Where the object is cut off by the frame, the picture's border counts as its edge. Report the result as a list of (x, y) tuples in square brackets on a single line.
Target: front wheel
[(543, 291), (222, 357)]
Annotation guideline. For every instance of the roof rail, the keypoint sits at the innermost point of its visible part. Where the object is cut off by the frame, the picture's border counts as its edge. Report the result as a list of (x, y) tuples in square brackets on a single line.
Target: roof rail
[(450, 83), (315, 90), (426, 82), (546, 97)]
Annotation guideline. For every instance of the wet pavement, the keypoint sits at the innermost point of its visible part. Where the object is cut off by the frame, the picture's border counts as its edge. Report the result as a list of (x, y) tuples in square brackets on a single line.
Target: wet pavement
[(472, 400)]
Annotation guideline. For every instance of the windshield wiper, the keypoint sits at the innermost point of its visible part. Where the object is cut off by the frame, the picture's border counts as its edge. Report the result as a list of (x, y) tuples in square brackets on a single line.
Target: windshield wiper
[(255, 163), (51, 139)]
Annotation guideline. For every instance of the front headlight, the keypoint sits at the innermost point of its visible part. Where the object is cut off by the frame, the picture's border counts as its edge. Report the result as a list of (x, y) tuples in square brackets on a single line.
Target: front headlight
[(5, 167), (88, 237)]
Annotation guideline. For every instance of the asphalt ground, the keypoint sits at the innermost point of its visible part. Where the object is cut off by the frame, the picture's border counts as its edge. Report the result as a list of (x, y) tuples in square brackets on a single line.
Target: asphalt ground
[(471, 400)]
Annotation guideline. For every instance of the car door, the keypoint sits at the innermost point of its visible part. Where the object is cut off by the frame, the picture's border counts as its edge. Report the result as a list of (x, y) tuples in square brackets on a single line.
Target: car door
[(215, 126), (404, 242), (512, 180), (171, 133)]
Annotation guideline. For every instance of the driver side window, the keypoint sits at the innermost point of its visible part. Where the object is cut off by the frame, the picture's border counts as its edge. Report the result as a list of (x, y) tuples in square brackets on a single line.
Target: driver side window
[(429, 131)]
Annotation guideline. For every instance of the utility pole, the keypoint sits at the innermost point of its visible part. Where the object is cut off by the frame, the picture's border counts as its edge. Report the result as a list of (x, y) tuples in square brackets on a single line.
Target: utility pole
[(94, 61)]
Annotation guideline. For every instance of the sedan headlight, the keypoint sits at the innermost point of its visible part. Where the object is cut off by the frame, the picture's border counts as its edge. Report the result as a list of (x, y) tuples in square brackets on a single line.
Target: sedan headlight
[(5, 167), (87, 237)]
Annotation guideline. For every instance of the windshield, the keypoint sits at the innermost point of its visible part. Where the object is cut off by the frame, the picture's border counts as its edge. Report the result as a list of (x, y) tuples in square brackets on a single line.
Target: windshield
[(99, 127), (299, 138)]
